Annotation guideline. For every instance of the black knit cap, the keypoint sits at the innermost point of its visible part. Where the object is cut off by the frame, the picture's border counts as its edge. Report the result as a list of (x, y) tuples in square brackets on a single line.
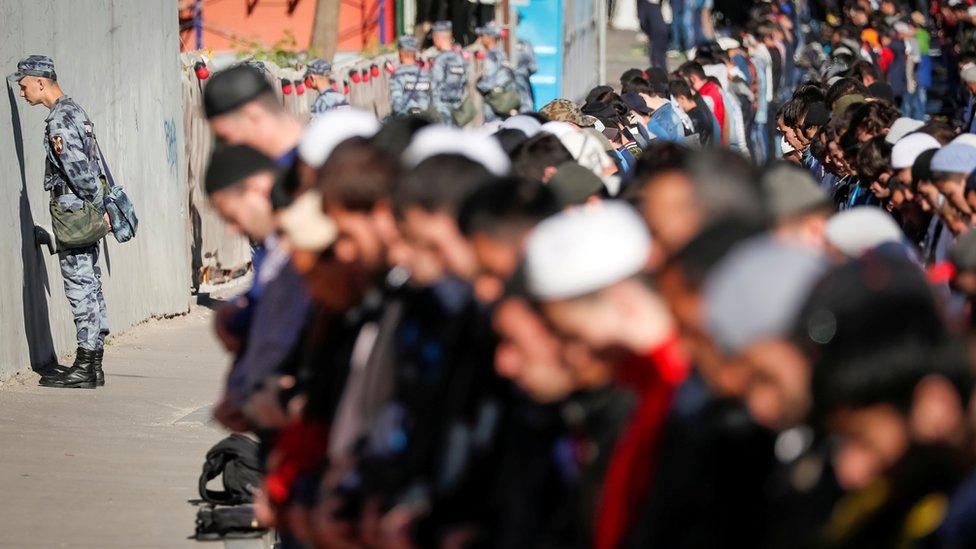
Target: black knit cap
[(658, 78), (232, 164), (922, 168), (601, 110), (597, 92), (882, 90), (817, 115), (231, 88)]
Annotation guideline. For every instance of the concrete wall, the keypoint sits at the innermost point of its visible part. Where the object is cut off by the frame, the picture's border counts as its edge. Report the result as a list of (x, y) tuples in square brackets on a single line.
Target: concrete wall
[(581, 48), (120, 60)]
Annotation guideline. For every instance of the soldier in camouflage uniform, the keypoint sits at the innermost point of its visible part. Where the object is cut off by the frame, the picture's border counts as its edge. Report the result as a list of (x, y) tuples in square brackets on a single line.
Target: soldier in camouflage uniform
[(409, 85), (449, 73), (525, 67), (496, 73), (73, 174), (321, 72)]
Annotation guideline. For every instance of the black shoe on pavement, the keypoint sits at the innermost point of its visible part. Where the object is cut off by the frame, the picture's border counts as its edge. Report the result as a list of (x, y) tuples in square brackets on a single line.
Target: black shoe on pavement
[(60, 371), (96, 363), (80, 376)]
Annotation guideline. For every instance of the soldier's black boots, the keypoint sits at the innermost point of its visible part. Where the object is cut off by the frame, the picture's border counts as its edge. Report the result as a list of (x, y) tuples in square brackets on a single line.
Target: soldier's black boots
[(60, 371), (96, 363), (81, 375)]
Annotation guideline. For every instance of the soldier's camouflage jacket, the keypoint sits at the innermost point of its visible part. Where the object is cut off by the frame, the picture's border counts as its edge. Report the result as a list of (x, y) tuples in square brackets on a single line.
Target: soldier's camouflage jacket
[(72, 169), (497, 72), (449, 77), (328, 100), (410, 89)]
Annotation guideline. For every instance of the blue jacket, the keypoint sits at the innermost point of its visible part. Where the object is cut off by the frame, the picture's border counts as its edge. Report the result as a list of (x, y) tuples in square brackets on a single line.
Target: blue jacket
[(897, 77), (666, 124)]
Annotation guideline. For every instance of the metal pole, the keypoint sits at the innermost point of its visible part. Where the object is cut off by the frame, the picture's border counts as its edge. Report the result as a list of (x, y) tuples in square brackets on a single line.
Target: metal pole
[(198, 23), (510, 39), (601, 53), (381, 21)]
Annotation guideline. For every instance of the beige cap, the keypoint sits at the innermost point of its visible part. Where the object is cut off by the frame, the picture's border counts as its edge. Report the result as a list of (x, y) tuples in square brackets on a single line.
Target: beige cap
[(305, 225)]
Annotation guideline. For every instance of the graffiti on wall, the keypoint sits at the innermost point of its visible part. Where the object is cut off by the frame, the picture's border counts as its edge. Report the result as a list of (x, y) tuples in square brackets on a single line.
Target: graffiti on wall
[(172, 157)]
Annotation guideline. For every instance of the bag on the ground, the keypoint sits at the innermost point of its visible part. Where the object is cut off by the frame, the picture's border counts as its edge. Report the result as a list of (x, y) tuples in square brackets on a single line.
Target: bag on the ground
[(219, 522), (235, 459), (465, 112)]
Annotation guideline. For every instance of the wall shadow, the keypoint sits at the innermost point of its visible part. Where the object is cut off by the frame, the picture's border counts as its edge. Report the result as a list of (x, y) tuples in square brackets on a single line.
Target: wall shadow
[(36, 286), (105, 255), (196, 245)]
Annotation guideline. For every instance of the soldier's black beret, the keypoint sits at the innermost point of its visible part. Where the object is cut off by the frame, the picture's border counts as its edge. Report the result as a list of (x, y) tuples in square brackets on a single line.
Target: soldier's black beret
[(231, 164), (231, 88)]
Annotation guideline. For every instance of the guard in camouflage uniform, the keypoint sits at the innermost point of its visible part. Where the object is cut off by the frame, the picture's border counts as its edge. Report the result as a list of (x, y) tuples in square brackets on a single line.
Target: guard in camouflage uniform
[(497, 74), (320, 71), (525, 67), (73, 174), (409, 85), (448, 74)]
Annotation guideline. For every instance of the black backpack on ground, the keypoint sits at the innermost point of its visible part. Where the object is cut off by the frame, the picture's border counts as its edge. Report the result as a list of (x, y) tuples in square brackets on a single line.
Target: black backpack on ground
[(235, 459), (219, 522)]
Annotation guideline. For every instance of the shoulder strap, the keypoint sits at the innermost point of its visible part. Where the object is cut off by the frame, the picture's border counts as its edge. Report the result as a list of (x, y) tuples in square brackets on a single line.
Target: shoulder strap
[(413, 91), (101, 157)]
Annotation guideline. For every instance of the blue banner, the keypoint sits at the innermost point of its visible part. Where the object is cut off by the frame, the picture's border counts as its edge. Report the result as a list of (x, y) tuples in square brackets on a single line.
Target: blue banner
[(541, 23)]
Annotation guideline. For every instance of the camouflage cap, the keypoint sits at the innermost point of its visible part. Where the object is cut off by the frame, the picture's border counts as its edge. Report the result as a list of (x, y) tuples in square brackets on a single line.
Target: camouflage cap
[(319, 67), (564, 110), (408, 42), (492, 29), (440, 26), (34, 65)]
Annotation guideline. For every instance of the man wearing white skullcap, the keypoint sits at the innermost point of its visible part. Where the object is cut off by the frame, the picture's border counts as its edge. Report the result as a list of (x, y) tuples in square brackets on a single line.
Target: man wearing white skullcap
[(583, 251), (426, 200), (907, 149), (950, 168), (752, 300), (855, 231), (902, 127), (332, 128), (355, 185), (528, 125), (585, 267), (435, 140), (905, 152)]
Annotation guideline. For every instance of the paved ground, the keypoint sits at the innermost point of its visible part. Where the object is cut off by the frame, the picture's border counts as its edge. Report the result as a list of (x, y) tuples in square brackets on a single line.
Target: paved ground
[(113, 467), (628, 50), (624, 51)]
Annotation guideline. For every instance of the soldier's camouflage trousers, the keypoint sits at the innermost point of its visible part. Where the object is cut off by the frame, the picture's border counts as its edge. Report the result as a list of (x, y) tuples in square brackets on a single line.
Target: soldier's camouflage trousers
[(525, 91), (83, 288)]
